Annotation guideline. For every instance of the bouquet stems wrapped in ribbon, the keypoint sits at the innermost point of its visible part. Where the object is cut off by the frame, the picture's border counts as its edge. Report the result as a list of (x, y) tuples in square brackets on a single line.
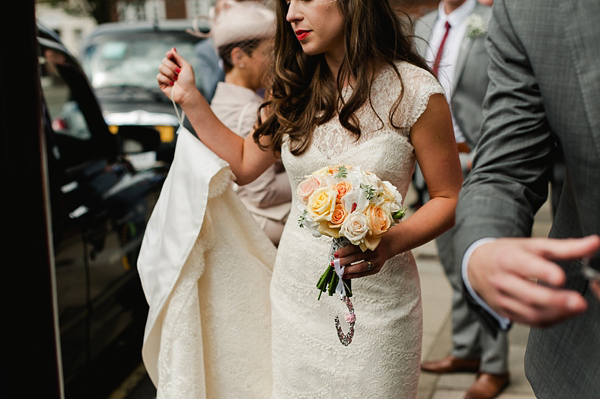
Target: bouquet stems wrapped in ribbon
[(330, 280), (353, 207)]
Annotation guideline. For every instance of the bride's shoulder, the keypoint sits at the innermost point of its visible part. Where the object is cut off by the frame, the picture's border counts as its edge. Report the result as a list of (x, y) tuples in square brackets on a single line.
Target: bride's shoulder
[(414, 75), (417, 86), (412, 78)]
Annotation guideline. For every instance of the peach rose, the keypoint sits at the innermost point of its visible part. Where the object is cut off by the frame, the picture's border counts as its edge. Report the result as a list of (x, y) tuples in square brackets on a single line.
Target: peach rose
[(379, 220), (307, 187), (321, 204)]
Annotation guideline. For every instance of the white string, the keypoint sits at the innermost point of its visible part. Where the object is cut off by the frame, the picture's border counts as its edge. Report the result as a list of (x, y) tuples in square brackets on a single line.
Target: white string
[(180, 117)]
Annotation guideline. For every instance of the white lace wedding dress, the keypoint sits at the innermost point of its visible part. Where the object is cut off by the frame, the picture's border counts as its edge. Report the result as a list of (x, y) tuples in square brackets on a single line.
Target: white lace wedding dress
[(205, 266), (383, 359)]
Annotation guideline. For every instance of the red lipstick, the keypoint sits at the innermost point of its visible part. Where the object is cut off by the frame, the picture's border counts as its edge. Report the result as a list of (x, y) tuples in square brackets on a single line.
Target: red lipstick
[(301, 34)]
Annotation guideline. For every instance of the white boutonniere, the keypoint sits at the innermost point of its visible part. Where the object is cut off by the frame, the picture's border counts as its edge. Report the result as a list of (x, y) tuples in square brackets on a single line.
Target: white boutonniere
[(476, 26)]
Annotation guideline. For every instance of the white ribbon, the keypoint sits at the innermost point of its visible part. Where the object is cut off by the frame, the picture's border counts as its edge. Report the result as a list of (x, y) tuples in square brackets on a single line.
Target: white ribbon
[(339, 270)]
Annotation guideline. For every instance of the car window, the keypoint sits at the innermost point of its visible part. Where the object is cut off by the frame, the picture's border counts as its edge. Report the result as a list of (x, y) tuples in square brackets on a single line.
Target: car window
[(67, 119), (133, 59), (79, 131)]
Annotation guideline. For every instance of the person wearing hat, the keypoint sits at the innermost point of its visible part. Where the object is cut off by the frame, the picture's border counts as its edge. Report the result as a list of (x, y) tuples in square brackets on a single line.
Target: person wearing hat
[(243, 36), (207, 57)]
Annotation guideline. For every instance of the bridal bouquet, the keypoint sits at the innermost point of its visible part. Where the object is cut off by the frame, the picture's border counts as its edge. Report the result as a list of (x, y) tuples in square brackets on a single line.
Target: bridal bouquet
[(352, 206)]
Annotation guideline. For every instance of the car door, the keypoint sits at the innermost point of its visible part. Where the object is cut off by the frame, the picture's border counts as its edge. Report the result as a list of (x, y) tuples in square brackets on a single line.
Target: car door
[(99, 207)]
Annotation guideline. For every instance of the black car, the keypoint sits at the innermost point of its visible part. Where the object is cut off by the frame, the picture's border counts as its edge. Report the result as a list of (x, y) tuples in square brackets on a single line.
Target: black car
[(99, 207), (121, 60)]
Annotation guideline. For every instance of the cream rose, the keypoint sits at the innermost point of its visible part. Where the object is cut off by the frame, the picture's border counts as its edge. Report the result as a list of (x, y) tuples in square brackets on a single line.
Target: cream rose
[(321, 204), (355, 227), (391, 194), (324, 171), (307, 187), (372, 180)]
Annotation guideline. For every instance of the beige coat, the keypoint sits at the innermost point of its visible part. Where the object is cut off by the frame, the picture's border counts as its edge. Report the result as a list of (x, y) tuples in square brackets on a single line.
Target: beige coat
[(269, 197)]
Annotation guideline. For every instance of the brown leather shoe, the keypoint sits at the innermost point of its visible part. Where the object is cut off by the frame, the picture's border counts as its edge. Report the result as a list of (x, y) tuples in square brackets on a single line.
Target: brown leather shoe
[(452, 364), (488, 386)]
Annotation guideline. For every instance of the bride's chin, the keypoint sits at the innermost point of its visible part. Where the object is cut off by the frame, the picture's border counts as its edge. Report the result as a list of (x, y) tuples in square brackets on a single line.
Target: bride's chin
[(310, 50)]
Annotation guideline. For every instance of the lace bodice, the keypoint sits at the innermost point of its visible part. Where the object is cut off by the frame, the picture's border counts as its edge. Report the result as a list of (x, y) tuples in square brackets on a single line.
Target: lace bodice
[(382, 147), (383, 360), (332, 138)]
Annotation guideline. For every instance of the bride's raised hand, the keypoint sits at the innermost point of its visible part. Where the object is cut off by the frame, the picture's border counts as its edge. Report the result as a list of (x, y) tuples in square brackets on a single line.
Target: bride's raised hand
[(174, 68)]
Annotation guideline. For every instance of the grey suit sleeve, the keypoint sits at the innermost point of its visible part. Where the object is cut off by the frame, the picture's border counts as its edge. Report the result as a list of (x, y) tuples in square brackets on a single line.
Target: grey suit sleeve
[(509, 181)]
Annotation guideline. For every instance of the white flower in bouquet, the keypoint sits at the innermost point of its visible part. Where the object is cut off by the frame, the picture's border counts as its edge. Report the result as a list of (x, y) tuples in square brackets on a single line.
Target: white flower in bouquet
[(371, 180), (355, 228), (356, 200)]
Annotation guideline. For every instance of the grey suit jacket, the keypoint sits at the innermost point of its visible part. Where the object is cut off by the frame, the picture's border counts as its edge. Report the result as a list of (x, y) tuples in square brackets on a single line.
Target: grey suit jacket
[(544, 88), (470, 78)]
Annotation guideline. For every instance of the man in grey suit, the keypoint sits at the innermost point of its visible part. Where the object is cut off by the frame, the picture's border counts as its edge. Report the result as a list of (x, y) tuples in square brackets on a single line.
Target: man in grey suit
[(544, 94), (452, 40)]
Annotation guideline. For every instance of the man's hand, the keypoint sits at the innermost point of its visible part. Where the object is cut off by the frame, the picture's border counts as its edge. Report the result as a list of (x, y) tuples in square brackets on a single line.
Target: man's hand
[(595, 286), (505, 273)]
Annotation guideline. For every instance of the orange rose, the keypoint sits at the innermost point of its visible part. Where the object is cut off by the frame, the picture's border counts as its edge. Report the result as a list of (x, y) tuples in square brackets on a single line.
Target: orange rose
[(342, 188), (338, 216)]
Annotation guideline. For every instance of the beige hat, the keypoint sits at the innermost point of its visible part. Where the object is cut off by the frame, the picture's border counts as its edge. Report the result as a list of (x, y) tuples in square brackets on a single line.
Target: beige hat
[(243, 21)]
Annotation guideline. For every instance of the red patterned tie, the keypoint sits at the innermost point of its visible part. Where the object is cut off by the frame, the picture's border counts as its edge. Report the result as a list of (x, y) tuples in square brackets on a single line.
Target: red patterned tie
[(440, 52)]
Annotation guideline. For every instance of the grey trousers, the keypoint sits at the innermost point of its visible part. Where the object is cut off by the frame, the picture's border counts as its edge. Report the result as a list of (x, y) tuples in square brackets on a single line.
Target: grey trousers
[(469, 337)]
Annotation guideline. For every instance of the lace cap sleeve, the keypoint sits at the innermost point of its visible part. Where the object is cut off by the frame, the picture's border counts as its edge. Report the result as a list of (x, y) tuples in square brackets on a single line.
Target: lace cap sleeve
[(419, 86)]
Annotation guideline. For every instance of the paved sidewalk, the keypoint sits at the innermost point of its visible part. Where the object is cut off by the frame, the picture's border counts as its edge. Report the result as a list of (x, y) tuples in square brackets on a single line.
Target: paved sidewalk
[(436, 293)]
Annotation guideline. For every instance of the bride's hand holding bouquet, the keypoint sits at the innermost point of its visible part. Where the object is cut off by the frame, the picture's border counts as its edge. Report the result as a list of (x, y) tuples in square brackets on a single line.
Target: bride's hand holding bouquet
[(354, 207)]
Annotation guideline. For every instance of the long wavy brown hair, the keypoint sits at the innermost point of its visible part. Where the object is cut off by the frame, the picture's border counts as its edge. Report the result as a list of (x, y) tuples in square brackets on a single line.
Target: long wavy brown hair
[(304, 92)]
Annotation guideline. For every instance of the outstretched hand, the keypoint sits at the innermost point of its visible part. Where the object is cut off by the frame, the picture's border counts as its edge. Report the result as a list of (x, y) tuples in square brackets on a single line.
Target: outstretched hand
[(595, 286), (174, 68), (505, 273)]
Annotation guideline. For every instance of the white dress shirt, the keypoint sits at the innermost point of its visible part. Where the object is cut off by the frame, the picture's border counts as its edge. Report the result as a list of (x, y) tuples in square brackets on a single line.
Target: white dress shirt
[(504, 322), (447, 70)]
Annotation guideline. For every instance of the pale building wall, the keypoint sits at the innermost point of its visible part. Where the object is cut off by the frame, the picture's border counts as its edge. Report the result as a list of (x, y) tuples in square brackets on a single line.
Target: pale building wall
[(70, 28)]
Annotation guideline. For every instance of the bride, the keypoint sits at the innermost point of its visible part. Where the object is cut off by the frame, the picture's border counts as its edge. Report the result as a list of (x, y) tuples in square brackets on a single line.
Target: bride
[(348, 88)]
